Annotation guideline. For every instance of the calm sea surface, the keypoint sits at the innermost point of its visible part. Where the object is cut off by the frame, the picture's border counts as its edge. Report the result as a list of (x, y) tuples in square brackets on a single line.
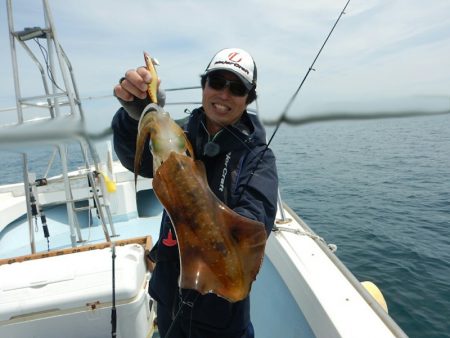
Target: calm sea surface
[(380, 190)]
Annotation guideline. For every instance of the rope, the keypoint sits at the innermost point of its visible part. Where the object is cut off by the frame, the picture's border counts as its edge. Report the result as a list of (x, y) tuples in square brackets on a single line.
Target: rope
[(300, 232)]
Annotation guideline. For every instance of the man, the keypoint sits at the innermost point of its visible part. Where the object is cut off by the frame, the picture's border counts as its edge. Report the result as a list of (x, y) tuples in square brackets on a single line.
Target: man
[(230, 142)]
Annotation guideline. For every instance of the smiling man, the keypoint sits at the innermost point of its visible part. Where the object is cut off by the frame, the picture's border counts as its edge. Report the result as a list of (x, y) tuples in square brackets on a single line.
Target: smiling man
[(230, 142)]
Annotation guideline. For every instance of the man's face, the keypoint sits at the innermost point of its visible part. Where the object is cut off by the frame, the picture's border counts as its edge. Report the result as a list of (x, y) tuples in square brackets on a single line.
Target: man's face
[(221, 106)]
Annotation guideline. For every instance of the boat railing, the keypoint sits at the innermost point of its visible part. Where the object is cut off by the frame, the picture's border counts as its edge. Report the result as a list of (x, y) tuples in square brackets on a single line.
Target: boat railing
[(60, 117)]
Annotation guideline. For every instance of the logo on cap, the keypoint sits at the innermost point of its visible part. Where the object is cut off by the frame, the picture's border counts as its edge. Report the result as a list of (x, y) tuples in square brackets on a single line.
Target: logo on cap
[(233, 56)]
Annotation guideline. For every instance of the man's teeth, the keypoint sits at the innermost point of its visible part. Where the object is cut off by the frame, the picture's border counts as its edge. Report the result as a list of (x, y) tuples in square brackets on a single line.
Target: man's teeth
[(221, 107)]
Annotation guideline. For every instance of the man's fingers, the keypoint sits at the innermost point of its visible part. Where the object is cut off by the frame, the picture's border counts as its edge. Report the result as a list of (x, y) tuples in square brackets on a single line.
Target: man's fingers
[(133, 78), (134, 85), (122, 93), (144, 74)]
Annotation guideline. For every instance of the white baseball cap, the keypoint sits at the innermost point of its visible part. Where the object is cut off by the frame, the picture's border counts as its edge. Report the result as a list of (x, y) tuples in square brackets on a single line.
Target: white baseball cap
[(235, 60)]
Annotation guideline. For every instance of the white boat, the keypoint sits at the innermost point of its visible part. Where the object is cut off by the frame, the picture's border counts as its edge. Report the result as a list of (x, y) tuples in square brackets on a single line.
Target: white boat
[(91, 269)]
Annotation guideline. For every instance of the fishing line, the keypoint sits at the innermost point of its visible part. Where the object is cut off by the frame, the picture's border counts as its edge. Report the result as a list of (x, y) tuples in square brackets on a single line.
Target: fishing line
[(341, 116), (16, 136), (183, 302), (182, 88)]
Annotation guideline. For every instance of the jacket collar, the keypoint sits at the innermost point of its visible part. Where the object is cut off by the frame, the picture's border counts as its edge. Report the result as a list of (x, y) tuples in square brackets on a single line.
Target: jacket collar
[(244, 134)]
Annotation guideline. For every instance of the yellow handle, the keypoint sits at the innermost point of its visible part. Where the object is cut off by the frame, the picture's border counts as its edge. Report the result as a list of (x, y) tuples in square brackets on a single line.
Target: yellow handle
[(110, 185)]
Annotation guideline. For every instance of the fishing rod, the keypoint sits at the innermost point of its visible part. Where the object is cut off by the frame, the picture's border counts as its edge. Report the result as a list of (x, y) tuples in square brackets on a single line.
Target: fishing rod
[(113, 307), (291, 100)]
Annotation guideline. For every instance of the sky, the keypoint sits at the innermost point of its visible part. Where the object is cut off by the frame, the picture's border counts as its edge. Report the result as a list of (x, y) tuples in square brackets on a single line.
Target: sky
[(383, 54)]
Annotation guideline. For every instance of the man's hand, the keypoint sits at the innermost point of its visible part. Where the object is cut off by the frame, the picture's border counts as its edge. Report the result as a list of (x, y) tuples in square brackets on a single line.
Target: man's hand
[(134, 84)]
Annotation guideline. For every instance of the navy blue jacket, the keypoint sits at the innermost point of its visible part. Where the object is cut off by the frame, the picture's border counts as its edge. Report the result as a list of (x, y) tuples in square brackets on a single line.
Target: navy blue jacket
[(239, 150)]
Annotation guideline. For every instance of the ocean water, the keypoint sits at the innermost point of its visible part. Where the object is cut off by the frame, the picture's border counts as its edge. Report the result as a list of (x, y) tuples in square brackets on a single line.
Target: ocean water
[(379, 190)]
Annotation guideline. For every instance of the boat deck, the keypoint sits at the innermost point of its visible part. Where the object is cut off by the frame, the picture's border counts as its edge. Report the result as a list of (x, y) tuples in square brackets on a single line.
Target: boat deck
[(272, 305)]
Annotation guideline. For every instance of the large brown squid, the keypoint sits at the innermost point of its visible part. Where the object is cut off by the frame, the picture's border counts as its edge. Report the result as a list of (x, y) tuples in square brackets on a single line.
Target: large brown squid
[(220, 251)]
